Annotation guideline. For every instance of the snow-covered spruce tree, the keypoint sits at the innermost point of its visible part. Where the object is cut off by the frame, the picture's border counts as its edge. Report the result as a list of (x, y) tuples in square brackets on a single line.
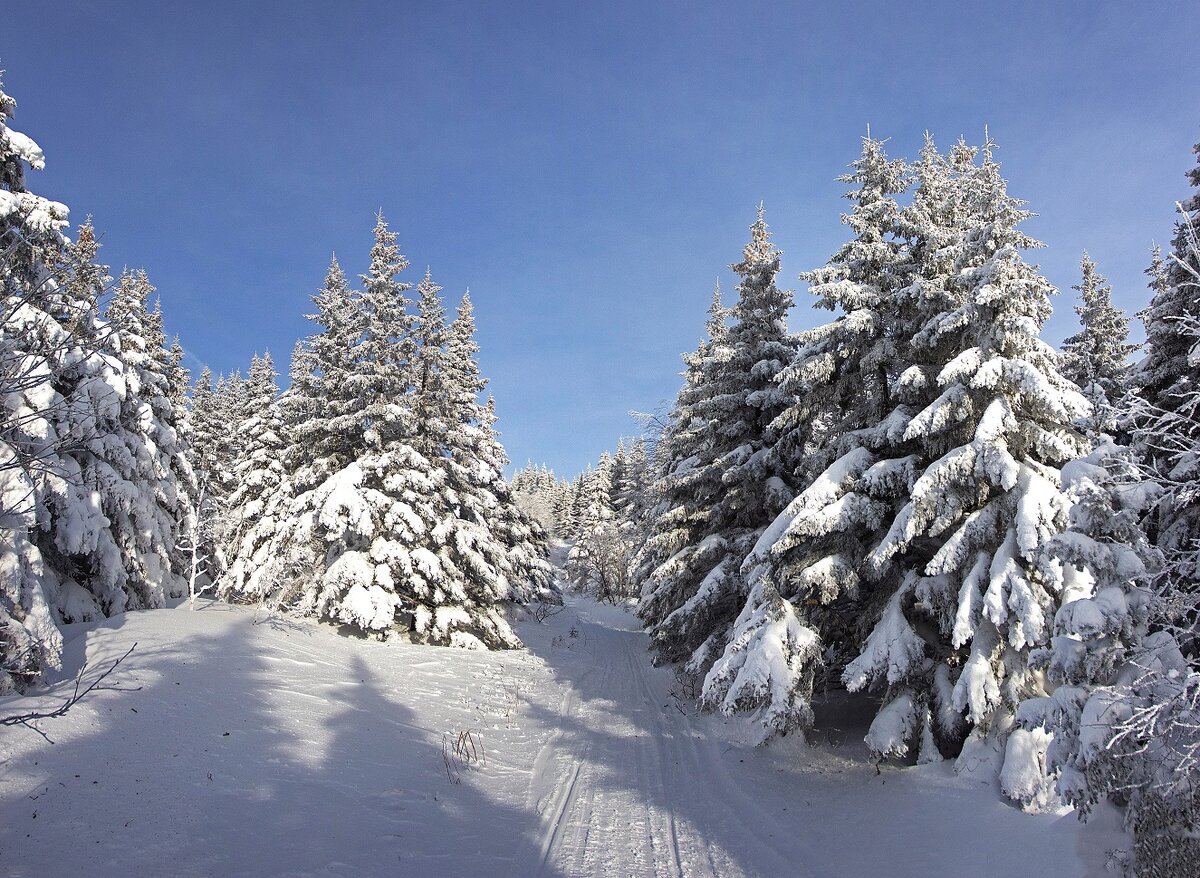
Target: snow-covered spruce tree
[(1126, 716), (37, 326), (724, 487), (561, 506), (599, 560), (1147, 745), (217, 407), (430, 392), (1161, 376), (257, 573), (582, 497), (501, 552), (258, 477), (1097, 358), (322, 411), (180, 378), (841, 436), (393, 520), (675, 518), (540, 495), (90, 471), (321, 436), (172, 416), (385, 357), (1126, 713), (633, 498), (137, 466), (362, 497), (1166, 415), (1101, 628), (975, 588), (200, 412), (216, 448)]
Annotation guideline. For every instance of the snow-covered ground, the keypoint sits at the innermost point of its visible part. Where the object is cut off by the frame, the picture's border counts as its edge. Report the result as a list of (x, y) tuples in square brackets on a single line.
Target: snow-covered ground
[(285, 749)]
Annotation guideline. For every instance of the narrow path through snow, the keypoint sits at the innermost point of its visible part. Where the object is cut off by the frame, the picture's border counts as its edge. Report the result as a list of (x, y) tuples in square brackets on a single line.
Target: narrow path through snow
[(627, 785)]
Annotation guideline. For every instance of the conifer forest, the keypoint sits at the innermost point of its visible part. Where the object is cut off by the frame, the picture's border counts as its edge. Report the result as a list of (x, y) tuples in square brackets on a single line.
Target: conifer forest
[(911, 591)]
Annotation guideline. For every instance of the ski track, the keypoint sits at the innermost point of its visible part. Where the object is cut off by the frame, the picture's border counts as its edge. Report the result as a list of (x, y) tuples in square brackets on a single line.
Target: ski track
[(625, 759)]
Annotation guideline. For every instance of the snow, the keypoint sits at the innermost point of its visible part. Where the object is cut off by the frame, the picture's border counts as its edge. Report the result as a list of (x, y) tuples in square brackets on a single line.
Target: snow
[(891, 650), (283, 749), (23, 147), (893, 727)]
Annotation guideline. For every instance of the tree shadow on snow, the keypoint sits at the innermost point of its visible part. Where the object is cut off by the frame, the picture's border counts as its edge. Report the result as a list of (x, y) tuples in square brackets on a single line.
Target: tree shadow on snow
[(185, 777)]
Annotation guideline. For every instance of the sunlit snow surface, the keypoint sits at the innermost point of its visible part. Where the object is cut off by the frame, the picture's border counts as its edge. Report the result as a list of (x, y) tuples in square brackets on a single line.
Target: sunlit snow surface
[(285, 749)]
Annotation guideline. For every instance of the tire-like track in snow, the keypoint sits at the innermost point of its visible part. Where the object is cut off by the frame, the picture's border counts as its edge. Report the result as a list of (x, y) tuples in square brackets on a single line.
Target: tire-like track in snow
[(628, 786)]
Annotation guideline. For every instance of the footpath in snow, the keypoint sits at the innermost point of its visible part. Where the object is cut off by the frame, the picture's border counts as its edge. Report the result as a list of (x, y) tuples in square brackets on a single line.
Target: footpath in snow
[(281, 748)]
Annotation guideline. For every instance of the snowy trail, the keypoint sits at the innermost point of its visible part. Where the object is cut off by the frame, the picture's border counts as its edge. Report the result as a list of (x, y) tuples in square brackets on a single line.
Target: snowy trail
[(637, 788), (285, 749)]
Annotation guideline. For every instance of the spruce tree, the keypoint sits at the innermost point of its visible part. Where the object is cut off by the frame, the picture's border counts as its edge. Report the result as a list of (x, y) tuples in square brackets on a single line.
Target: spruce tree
[(506, 560), (838, 435), (90, 495), (1102, 628), (392, 512), (139, 467), (430, 393), (324, 411), (632, 496), (34, 328), (1097, 358), (1166, 413), (1126, 721), (360, 499), (540, 496), (215, 450), (259, 476), (1161, 377), (724, 487), (674, 521), (975, 590)]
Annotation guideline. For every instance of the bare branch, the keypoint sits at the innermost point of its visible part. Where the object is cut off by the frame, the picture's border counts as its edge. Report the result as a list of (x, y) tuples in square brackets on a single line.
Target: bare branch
[(80, 692)]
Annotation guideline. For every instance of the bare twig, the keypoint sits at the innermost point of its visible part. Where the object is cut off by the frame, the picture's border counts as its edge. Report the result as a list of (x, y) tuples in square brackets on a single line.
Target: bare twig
[(80, 692)]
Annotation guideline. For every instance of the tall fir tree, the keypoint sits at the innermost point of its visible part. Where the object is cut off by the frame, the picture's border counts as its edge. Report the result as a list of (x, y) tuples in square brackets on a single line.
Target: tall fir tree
[(430, 394), (725, 486), (511, 546), (838, 436), (324, 412), (975, 591), (392, 512), (37, 322), (675, 519), (1161, 377), (259, 476), (1166, 414), (1097, 357), (140, 468), (90, 494)]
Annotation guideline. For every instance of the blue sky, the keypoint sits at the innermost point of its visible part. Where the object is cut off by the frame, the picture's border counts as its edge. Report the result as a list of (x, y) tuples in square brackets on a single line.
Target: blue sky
[(587, 170)]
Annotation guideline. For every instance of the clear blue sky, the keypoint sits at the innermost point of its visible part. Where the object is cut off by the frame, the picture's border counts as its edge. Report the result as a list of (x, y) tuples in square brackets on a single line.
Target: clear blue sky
[(586, 169)]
